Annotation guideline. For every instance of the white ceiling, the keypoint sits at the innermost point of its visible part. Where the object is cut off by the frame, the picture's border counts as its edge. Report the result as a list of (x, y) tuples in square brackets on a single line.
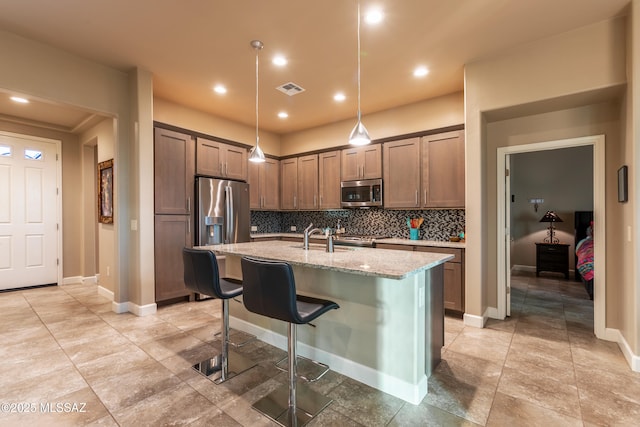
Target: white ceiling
[(191, 45)]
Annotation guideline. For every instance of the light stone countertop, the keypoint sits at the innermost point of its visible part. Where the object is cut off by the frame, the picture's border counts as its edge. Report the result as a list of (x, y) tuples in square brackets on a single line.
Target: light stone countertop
[(385, 263), (392, 241)]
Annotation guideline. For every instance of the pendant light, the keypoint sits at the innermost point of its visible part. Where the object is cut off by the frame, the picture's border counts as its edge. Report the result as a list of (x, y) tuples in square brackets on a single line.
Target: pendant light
[(359, 134), (256, 155)]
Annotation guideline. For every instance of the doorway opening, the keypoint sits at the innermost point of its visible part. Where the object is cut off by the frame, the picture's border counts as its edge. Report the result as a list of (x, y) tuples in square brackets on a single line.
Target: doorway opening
[(504, 221)]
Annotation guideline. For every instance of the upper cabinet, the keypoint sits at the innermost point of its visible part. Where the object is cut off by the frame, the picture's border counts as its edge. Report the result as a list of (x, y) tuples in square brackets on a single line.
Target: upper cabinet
[(308, 182), (329, 180), (443, 170), (264, 185), (361, 163), (221, 160), (402, 173), (289, 183), (174, 155)]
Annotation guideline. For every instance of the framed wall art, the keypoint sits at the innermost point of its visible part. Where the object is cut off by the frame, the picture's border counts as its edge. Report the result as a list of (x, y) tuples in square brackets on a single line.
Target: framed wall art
[(623, 195), (105, 192)]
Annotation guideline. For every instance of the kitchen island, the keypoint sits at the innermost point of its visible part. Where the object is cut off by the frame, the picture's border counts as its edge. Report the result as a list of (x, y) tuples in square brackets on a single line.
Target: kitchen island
[(389, 330)]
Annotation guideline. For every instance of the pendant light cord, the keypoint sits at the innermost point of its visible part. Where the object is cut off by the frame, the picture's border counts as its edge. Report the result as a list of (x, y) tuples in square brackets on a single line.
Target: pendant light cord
[(257, 61), (359, 114)]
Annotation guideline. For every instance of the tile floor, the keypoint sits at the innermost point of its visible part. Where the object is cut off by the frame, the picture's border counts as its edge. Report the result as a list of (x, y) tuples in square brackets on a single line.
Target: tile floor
[(543, 366)]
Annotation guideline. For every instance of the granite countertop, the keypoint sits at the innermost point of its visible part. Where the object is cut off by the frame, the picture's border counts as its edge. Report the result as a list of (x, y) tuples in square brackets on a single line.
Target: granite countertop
[(364, 261), (392, 241)]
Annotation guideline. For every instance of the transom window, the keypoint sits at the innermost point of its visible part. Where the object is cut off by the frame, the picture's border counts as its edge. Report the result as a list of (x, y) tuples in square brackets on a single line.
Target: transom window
[(5, 150), (32, 154)]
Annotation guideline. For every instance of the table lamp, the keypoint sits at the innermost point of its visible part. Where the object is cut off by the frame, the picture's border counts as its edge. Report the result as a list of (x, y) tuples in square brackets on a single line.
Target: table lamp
[(551, 217)]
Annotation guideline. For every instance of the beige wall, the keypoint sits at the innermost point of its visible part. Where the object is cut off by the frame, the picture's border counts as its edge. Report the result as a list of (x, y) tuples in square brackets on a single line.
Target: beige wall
[(574, 67), (564, 179), (434, 113), (177, 115), (70, 80), (103, 137)]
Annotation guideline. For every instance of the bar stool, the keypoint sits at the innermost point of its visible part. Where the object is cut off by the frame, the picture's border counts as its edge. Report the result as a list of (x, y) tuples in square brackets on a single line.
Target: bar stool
[(201, 275), (270, 290)]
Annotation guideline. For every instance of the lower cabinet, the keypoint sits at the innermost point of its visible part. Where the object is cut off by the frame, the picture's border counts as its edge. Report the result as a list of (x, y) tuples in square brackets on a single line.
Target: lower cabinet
[(453, 274), (172, 233)]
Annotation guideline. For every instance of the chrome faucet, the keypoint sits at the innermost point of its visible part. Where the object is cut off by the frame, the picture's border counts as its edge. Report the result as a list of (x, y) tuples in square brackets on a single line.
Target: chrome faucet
[(330, 237), (308, 233)]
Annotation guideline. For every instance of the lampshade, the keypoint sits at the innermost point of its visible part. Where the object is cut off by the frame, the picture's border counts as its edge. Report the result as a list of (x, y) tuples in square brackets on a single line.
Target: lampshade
[(551, 216), (256, 154), (359, 134)]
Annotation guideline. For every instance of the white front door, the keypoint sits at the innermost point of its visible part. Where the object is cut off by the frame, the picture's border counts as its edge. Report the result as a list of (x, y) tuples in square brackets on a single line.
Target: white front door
[(28, 211)]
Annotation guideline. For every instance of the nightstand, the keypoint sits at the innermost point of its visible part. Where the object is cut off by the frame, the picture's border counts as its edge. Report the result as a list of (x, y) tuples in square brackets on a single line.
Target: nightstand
[(553, 257)]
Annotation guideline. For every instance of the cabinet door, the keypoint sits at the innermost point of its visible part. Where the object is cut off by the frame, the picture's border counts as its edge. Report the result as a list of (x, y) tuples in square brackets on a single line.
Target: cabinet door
[(361, 163), (308, 182), (208, 157), (371, 158), (270, 184), (402, 173), (173, 172), (453, 290), (443, 170), (288, 183), (234, 162), (255, 198), (329, 180), (172, 233)]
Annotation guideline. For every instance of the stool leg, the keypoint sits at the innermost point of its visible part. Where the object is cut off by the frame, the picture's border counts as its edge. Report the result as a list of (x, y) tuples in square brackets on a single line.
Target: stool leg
[(292, 372), (227, 364)]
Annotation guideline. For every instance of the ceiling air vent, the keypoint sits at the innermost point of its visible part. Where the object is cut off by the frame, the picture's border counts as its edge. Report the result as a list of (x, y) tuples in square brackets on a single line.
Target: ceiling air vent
[(290, 89)]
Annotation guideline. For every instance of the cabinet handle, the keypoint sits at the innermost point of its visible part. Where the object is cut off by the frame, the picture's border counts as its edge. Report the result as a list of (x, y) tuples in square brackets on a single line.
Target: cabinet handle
[(314, 200), (221, 169), (416, 197), (321, 200), (226, 169), (294, 201), (425, 197), (189, 204)]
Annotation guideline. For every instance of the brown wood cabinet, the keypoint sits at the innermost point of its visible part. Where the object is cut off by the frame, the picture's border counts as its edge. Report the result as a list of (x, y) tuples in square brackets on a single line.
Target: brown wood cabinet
[(453, 273), (329, 180), (308, 182), (401, 172), (173, 172), (174, 158), (172, 233), (264, 185), (443, 170), (221, 160), (361, 163), (289, 184)]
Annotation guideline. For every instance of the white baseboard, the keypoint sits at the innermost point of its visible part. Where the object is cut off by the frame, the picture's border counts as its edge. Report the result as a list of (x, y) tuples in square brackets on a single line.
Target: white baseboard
[(90, 280), (473, 320), (104, 292), (525, 268), (491, 313), (73, 280), (394, 386), (138, 310), (632, 359)]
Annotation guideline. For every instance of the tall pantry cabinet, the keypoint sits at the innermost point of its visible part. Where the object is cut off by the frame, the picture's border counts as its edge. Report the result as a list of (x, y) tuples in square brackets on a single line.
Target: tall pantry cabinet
[(174, 167)]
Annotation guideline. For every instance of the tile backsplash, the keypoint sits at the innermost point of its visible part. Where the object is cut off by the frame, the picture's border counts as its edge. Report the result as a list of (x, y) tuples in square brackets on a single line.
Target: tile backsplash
[(438, 224)]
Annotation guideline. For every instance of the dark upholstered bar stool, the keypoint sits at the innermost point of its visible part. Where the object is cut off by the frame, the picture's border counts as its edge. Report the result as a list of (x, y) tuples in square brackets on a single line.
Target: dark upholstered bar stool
[(201, 275), (270, 290)]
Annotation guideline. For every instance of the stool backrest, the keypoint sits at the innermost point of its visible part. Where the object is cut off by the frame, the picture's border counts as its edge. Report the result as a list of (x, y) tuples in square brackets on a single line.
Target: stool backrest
[(201, 272), (270, 289)]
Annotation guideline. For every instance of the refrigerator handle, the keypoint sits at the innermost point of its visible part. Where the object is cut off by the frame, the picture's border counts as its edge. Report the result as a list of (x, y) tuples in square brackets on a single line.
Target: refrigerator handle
[(230, 213)]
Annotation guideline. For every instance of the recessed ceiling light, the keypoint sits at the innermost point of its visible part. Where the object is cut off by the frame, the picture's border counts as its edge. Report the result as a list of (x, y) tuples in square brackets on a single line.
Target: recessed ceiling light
[(420, 71), (283, 114), (374, 16), (339, 97), (279, 60), (220, 89), (19, 99)]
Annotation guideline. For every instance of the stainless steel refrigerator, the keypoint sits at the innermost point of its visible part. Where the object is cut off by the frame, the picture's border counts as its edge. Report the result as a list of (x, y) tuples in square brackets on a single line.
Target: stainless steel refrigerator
[(223, 214)]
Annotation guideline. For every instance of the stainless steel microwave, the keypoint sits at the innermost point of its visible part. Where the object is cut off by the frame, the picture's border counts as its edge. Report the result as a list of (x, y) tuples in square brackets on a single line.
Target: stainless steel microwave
[(359, 194)]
